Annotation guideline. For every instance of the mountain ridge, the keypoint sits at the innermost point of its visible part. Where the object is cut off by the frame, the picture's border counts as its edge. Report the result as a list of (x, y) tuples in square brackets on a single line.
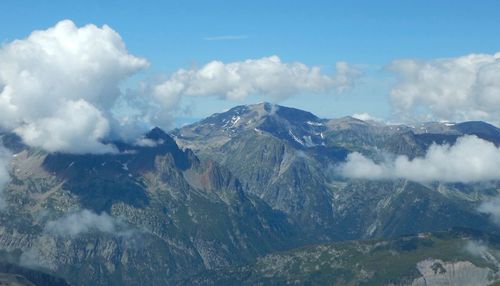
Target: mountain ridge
[(286, 157), (237, 188)]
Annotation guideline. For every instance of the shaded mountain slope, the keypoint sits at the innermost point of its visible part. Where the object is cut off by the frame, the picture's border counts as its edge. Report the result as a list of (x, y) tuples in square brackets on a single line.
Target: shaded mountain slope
[(170, 215)]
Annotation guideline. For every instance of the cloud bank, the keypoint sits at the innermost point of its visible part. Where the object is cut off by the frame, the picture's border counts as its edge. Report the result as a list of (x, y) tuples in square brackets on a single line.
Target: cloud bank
[(268, 76), (57, 86), (82, 222), (157, 102), (469, 160), (456, 89), (60, 87)]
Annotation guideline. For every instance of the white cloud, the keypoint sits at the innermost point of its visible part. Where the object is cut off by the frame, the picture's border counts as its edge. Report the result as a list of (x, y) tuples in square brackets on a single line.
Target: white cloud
[(82, 222), (146, 142), (359, 167), (144, 106), (267, 76), (76, 127), (366, 117), (481, 250), (491, 207), (470, 159), (59, 85), (476, 248), (456, 89)]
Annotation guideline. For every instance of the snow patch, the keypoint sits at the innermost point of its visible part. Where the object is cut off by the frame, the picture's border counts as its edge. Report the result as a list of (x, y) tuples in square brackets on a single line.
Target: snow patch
[(258, 130), (314, 123), (308, 141), (231, 123), (295, 137)]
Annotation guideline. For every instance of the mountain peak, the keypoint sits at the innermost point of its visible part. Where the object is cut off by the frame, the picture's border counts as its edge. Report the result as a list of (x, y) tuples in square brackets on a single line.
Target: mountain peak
[(295, 125), (157, 134), (479, 128), (255, 111), (264, 106), (161, 137)]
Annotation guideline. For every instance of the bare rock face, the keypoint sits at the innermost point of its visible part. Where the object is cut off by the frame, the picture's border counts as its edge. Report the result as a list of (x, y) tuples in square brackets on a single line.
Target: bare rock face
[(435, 272)]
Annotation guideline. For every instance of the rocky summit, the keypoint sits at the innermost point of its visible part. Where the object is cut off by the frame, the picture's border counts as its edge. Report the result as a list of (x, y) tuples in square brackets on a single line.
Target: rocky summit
[(250, 196)]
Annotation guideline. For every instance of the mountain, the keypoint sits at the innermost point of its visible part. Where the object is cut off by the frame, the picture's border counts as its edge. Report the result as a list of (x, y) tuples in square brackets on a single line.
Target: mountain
[(247, 196), (287, 157), (147, 215), (456, 257), (265, 146)]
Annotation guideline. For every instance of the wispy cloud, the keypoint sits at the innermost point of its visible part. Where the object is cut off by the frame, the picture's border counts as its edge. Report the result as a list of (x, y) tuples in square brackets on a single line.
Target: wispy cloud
[(492, 208), (84, 221), (225, 38)]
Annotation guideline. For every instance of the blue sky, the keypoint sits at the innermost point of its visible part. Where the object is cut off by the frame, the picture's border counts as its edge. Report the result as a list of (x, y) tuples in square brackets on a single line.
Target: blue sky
[(370, 34)]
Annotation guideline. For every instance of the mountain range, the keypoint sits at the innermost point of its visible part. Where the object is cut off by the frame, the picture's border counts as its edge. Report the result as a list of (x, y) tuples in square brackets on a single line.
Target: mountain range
[(249, 196)]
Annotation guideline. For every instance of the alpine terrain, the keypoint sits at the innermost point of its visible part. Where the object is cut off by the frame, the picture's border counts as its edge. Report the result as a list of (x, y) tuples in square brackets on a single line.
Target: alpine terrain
[(256, 195)]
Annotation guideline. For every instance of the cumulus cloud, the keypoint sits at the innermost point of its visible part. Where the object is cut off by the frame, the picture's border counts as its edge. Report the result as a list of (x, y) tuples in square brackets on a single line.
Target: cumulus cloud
[(76, 127), (150, 103), (470, 159), (456, 89), (82, 222), (358, 166), (267, 76), (57, 86), (60, 87)]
